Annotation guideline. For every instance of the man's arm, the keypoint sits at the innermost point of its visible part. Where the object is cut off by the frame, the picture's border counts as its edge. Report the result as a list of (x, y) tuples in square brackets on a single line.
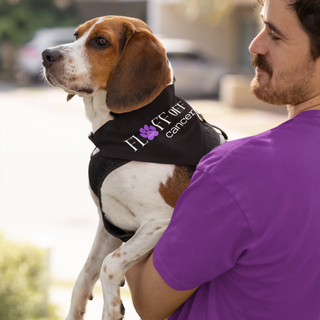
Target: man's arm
[(152, 297)]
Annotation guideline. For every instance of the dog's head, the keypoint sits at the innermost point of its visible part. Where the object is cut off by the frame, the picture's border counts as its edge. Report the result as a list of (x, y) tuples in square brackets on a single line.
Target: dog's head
[(112, 53)]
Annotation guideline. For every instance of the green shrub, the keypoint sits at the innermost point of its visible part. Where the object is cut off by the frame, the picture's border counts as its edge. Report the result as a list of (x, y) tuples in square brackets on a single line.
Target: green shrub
[(24, 282)]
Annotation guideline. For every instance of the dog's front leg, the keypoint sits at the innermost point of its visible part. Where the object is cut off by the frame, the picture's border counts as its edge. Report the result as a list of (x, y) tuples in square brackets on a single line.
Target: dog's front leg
[(117, 263), (103, 244)]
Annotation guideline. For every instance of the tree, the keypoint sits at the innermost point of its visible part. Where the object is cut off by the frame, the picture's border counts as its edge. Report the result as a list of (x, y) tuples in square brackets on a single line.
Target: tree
[(20, 18), (24, 282)]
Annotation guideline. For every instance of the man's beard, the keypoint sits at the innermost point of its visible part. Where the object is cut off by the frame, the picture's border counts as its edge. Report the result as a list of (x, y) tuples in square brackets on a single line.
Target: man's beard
[(290, 87)]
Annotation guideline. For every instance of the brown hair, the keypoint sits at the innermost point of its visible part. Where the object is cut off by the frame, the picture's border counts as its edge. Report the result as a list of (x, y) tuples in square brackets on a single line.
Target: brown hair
[(308, 12)]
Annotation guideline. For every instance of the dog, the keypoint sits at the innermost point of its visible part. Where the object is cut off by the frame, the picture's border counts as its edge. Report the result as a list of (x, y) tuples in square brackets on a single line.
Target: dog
[(121, 71)]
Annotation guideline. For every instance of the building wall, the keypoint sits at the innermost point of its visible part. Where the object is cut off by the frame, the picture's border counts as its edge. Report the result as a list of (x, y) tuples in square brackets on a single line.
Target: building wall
[(227, 40), (90, 9), (217, 40)]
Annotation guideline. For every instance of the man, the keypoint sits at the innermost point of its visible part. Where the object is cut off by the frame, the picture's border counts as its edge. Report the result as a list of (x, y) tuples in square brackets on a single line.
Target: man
[(244, 239)]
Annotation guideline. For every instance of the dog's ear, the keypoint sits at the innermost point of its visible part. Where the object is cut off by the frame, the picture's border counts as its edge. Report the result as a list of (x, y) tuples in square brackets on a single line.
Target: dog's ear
[(141, 73)]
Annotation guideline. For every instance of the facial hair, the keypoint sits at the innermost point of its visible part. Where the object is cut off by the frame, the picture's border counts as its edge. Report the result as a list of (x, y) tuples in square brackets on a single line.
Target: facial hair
[(289, 87)]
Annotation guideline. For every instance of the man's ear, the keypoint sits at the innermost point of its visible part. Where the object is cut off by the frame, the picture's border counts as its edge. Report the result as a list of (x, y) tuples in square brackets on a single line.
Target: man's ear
[(141, 73)]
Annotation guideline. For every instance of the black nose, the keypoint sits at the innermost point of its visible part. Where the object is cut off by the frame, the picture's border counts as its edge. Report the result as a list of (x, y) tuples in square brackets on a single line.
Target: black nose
[(50, 56)]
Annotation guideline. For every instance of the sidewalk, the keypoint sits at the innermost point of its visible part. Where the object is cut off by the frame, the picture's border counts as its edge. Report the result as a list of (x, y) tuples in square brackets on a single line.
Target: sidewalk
[(44, 195)]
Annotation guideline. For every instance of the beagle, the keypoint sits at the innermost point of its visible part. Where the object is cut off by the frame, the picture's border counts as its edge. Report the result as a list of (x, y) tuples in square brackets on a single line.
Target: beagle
[(148, 143)]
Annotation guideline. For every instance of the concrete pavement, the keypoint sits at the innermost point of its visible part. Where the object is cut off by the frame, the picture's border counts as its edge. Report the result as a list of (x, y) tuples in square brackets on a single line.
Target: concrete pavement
[(44, 198)]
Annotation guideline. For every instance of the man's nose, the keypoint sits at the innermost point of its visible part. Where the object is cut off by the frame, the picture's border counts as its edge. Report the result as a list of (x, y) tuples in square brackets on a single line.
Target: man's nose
[(258, 44), (50, 56)]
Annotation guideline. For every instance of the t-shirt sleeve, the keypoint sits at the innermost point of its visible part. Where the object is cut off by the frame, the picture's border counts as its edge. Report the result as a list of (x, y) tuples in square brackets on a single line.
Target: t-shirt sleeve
[(206, 236)]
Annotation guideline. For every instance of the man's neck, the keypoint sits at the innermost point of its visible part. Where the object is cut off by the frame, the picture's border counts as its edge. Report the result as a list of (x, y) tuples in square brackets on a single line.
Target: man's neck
[(311, 104)]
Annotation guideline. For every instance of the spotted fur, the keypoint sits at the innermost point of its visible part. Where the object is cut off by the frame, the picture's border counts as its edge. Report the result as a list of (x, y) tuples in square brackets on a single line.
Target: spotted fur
[(117, 64)]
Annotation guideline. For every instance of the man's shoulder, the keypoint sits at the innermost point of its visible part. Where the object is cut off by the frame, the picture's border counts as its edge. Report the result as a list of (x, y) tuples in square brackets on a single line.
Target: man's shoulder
[(265, 150), (237, 152)]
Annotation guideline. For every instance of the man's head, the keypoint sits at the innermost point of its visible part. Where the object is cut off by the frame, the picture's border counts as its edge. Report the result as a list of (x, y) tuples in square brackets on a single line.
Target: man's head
[(308, 12), (286, 52)]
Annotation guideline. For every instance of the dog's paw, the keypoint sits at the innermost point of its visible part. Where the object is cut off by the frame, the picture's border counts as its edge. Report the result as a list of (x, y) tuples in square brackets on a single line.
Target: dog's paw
[(116, 311)]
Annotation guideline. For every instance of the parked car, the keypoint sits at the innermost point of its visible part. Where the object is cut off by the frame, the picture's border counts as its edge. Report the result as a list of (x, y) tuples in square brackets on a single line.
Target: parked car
[(197, 74), (29, 62)]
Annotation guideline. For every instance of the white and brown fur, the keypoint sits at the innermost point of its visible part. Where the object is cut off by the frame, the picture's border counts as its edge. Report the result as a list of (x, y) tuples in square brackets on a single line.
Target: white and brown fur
[(117, 65)]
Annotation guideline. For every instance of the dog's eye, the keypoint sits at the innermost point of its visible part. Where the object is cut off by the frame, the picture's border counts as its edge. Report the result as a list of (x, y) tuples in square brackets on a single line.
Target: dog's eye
[(99, 43), (102, 42), (76, 35)]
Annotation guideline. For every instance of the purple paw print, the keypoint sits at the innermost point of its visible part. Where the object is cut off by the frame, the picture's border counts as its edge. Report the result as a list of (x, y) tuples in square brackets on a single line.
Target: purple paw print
[(148, 132)]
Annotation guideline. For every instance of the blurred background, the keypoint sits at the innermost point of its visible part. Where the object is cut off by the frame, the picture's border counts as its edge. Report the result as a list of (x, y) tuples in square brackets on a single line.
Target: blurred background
[(47, 217), (205, 39)]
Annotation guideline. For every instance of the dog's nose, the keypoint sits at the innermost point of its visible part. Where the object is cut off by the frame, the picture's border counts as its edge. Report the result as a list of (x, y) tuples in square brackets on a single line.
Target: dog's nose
[(50, 56)]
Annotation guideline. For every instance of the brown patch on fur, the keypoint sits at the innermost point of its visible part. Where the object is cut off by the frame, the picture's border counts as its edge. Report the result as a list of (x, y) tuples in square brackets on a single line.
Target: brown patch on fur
[(175, 185), (116, 254), (157, 228), (104, 60), (115, 301), (84, 27), (95, 275), (105, 269), (141, 73), (110, 276)]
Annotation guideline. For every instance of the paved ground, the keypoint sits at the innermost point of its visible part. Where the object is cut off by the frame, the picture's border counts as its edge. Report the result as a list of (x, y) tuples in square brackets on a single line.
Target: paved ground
[(44, 153)]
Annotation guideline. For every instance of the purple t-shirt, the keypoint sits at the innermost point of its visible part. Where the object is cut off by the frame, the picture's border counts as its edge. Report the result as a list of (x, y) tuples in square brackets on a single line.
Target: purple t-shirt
[(247, 229)]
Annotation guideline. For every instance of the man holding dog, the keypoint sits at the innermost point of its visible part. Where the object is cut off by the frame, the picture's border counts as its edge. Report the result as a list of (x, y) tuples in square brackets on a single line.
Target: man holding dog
[(244, 239)]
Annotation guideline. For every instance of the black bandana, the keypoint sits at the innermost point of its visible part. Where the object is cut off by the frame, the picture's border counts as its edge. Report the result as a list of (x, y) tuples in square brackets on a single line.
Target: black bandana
[(167, 130)]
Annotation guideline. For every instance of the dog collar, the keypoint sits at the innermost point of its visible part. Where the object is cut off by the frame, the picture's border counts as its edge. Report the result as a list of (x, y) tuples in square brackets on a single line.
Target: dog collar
[(167, 131)]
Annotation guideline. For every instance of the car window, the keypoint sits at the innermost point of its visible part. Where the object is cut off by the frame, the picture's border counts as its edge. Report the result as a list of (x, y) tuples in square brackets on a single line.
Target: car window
[(185, 57)]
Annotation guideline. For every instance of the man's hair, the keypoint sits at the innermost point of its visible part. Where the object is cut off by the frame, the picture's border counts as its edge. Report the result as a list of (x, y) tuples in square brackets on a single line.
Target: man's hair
[(308, 12)]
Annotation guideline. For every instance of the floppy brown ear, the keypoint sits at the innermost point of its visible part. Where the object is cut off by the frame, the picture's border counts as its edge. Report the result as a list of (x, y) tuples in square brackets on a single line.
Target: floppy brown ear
[(140, 75)]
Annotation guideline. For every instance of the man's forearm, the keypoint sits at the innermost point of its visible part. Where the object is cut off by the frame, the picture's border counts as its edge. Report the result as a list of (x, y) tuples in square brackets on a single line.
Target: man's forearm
[(152, 297)]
